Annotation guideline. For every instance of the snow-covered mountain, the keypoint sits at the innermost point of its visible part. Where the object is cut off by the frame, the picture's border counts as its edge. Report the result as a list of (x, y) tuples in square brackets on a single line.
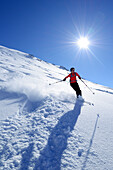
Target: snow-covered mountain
[(44, 127)]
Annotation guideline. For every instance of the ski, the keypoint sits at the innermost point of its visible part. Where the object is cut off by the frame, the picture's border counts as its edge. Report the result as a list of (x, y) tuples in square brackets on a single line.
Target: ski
[(84, 101)]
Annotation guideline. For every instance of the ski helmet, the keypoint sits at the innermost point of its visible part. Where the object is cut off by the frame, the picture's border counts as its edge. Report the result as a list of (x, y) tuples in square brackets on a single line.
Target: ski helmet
[(72, 68)]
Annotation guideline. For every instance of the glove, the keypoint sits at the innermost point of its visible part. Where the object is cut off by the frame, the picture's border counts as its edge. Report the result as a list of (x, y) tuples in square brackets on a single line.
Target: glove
[(64, 79), (80, 78)]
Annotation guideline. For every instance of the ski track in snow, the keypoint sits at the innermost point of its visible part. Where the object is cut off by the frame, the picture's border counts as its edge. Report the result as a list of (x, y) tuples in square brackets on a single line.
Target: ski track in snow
[(44, 127)]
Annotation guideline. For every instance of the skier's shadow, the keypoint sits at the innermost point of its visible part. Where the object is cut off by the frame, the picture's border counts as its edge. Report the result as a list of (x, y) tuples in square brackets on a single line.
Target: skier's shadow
[(26, 156), (50, 157)]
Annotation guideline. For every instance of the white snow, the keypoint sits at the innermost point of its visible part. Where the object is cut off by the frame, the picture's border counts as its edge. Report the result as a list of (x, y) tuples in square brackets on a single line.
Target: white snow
[(44, 127)]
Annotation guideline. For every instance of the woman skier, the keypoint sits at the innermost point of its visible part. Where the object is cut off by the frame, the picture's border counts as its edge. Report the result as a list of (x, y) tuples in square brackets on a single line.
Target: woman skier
[(73, 81)]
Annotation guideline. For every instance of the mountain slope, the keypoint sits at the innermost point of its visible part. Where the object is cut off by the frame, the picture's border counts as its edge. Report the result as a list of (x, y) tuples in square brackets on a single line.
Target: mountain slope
[(44, 127)]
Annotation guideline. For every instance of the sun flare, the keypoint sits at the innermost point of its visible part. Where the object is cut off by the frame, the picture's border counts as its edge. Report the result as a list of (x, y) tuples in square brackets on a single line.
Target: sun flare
[(83, 42)]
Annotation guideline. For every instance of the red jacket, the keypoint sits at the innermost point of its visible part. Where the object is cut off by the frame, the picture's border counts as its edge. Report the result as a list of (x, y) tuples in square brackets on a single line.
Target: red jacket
[(73, 77)]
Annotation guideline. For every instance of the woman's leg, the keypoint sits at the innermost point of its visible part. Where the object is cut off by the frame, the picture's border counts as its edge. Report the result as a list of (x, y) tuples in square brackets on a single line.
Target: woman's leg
[(76, 87)]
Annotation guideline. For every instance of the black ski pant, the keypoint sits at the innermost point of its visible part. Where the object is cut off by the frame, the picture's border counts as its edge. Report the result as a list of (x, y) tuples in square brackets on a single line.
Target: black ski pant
[(76, 87)]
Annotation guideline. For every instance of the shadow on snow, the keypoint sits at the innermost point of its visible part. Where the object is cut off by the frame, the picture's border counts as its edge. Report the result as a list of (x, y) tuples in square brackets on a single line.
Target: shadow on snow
[(90, 144), (26, 156), (105, 91), (50, 156)]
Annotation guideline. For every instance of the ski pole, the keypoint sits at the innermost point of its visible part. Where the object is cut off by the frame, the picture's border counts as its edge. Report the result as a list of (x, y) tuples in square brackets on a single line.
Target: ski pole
[(87, 86), (55, 82)]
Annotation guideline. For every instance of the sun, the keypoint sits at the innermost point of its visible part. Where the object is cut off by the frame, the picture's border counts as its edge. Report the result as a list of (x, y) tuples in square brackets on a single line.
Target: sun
[(83, 42)]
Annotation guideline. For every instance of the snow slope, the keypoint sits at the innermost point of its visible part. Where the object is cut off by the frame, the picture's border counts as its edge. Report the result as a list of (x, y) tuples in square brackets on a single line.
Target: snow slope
[(44, 127)]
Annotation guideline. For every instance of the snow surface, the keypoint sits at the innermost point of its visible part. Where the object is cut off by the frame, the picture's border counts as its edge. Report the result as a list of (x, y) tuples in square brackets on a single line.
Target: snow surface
[(44, 127)]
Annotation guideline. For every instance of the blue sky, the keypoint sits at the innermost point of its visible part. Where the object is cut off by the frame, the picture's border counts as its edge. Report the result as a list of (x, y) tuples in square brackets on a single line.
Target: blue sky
[(48, 29)]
